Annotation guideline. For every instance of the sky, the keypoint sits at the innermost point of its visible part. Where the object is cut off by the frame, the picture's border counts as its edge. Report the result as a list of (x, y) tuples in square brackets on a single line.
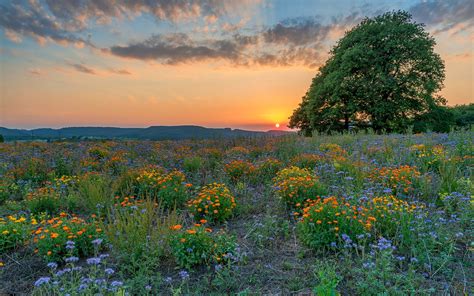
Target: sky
[(216, 63)]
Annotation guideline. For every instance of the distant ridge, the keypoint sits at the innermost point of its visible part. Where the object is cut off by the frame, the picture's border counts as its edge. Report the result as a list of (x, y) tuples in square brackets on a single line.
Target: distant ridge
[(150, 133)]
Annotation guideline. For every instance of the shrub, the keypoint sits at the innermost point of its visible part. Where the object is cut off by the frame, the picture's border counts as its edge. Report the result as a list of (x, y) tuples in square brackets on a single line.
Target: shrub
[(43, 200), (306, 161), (170, 190), (138, 228), (51, 237), (401, 180), (326, 222), (267, 169), (239, 170), (197, 245), (214, 202), (13, 232), (294, 186), (193, 164), (94, 192), (323, 220), (95, 278)]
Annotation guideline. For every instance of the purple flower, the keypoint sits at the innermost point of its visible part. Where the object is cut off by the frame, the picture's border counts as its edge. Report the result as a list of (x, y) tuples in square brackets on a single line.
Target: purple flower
[(71, 259), (52, 265), (168, 280), (184, 274), (42, 280), (97, 241), (414, 260), (109, 271), (148, 287), (93, 261), (116, 284)]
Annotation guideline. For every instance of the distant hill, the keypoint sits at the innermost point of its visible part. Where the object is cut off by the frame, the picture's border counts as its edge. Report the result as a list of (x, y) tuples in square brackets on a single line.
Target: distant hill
[(149, 133)]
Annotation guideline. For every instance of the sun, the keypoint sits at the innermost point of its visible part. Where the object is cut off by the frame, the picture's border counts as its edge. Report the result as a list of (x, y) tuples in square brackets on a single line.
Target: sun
[(277, 125)]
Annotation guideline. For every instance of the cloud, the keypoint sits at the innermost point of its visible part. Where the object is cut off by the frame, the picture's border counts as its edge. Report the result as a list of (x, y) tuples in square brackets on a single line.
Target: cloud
[(32, 20), (35, 71), (120, 71), (457, 15), (78, 13), (292, 42), (84, 69)]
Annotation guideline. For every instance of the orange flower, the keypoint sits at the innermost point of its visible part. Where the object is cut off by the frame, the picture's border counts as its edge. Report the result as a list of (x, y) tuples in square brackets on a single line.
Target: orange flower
[(176, 227), (182, 240), (54, 235), (191, 231), (203, 221)]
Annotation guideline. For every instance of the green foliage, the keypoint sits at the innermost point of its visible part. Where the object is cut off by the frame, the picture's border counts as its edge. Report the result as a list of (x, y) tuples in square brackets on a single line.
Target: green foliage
[(94, 193), (295, 186), (328, 280), (73, 279), (197, 245), (170, 189), (381, 73), (43, 200), (13, 232), (193, 164), (2, 139), (214, 202), (139, 230), (53, 237), (239, 170)]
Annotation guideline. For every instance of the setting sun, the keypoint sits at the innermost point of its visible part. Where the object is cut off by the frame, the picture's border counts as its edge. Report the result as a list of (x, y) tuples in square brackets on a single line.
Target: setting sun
[(277, 125)]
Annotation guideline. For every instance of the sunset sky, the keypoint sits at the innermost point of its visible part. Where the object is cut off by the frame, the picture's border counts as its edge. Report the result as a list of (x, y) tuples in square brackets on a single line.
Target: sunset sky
[(240, 63)]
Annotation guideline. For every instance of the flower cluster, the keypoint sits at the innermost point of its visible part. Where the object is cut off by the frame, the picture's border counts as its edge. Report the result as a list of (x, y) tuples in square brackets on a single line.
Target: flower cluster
[(295, 185), (94, 278), (169, 190), (214, 202), (13, 232), (307, 161), (51, 236), (323, 220), (198, 245), (43, 200), (266, 169), (239, 169), (400, 180)]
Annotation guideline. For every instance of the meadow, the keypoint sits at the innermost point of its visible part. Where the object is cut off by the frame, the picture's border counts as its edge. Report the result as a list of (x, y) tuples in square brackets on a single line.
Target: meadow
[(328, 215)]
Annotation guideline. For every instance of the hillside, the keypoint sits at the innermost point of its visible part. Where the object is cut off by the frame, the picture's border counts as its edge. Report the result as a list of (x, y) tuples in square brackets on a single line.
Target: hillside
[(149, 133)]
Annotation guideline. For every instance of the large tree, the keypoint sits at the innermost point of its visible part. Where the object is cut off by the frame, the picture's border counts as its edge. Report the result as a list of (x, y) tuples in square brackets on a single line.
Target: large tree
[(382, 73)]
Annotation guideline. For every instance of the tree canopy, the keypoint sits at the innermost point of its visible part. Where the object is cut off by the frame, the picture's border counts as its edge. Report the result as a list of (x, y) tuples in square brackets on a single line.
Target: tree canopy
[(381, 74)]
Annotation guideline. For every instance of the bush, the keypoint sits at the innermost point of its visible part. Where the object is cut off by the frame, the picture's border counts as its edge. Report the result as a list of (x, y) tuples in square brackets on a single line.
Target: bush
[(401, 180), (94, 193), (197, 245), (331, 221), (307, 161), (214, 202), (43, 200), (13, 232), (265, 170), (170, 190), (239, 170), (295, 186), (193, 164), (51, 237), (137, 228)]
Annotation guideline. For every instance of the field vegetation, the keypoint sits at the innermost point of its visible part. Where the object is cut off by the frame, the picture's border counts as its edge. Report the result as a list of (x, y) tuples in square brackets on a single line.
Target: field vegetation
[(348, 214)]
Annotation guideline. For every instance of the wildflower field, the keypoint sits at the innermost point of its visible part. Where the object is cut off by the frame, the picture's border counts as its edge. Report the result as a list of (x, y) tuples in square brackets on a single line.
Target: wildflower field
[(328, 215)]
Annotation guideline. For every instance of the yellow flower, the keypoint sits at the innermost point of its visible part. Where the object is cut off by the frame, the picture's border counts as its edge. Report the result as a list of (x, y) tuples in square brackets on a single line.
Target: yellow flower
[(5, 232)]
